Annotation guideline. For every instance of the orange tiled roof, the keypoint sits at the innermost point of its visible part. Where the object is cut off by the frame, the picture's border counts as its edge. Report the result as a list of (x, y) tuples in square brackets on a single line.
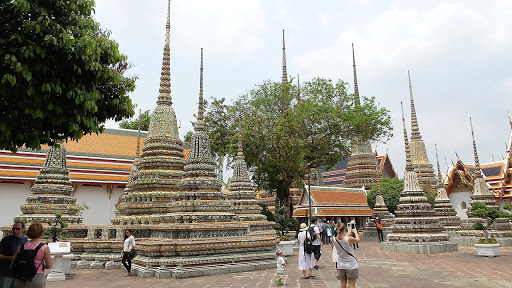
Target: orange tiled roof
[(337, 196), (334, 212), (94, 159)]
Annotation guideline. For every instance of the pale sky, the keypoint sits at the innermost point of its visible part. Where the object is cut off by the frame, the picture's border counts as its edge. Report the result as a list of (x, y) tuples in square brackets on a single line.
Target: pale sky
[(458, 53)]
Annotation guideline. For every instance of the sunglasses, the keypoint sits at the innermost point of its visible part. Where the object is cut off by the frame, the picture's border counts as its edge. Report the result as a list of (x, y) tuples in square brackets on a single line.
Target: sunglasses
[(14, 228)]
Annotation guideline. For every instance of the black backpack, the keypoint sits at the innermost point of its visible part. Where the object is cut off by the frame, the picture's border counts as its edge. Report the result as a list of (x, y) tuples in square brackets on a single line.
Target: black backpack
[(24, 267), (311, 231), (308, 244)]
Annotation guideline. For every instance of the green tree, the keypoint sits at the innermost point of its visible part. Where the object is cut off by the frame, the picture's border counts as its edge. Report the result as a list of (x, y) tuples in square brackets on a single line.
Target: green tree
[(144, 118), (285, 135), (62, 77), (489, 214), (390, 189)]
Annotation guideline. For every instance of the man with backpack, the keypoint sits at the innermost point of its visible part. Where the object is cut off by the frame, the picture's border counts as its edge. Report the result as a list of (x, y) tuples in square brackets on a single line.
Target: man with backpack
[(8, 247), (315, 239)]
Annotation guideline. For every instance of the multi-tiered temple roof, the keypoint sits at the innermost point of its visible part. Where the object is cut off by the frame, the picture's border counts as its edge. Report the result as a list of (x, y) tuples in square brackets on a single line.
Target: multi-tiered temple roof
[(362, 163)]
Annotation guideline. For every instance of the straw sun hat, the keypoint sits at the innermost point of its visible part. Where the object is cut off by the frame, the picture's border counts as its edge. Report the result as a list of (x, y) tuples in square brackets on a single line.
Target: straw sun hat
[(303, 227)]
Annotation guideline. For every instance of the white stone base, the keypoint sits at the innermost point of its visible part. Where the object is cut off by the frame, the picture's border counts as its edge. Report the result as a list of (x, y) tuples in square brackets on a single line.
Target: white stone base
[(419, 248), (286, 247), (489, 250)]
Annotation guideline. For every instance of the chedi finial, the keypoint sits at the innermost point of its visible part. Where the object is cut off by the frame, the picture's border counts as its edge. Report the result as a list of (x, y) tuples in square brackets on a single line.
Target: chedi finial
[(478, 171), (284, 77), (356, 89), (200, 112), (164, 98), (408, 162)]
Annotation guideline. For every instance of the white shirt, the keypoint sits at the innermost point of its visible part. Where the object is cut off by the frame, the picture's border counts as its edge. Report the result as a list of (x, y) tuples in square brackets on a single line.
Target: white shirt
[(129, 243), (280, 264), (317, 232)]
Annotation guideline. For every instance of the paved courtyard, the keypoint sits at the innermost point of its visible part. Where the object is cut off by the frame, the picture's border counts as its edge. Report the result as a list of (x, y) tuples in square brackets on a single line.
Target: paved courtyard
[(376, 269)]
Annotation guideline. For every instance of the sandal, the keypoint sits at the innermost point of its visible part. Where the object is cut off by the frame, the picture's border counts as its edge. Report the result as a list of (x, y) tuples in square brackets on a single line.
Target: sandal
[(311, 276), (307, 277)]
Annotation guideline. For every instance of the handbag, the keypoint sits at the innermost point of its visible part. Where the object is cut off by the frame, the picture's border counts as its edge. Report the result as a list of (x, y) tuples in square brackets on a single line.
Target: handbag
[(133, 253), (379, 226)]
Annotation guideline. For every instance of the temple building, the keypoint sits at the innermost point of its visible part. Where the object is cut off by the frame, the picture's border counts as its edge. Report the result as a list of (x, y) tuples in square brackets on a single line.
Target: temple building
[(481, 193), (362, 163), (419, 158), (497, 176), (334, 203), (416, 229), (98, 164)]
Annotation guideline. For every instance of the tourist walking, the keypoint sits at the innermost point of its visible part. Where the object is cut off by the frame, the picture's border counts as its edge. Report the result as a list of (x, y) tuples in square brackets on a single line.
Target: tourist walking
[(315, 239), (128, 246), (42, 257), (306, 260), (378, 224), (8, 247), (281, 267), (347, 263)]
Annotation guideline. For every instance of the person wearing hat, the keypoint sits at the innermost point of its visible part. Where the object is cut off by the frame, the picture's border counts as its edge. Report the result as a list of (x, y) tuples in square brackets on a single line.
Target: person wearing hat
[(281, 267), (306, 261)]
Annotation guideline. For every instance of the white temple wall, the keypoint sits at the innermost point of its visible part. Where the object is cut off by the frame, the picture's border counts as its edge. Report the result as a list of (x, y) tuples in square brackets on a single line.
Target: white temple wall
[(13, 195), (457, 198), (101, 205)]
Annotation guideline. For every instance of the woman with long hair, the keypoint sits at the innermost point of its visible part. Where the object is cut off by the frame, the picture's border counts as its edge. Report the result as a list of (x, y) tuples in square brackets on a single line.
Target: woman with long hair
[(347, 262), (129, 244), (42, 259)]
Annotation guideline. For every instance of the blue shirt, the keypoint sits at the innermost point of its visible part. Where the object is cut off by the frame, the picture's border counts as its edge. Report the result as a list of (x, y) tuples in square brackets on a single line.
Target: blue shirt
[(8, 247)]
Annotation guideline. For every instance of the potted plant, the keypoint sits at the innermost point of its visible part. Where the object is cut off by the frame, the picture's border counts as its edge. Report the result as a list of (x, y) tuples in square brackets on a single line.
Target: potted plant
[(285, 224), (487, 246)]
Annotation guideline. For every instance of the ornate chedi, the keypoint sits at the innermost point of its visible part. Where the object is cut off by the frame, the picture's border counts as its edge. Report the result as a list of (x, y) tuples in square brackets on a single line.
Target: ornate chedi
[(419, 158), (380, 209), (51, 192), (242, 196), (481, 193), (416, 229), (362, 164), (175, 208), (443, 206)]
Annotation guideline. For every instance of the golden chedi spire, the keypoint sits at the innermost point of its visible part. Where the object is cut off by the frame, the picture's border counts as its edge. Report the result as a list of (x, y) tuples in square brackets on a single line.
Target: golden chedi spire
[(160, 166), (419, 157), (362, 170)]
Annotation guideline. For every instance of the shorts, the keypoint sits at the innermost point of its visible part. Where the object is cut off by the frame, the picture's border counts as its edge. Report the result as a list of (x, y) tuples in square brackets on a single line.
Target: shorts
[(350, 274), (317, 252), (280, 274)]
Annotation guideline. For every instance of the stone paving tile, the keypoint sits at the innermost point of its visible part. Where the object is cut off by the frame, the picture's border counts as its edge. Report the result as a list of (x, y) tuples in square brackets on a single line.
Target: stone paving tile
[(377, 269)]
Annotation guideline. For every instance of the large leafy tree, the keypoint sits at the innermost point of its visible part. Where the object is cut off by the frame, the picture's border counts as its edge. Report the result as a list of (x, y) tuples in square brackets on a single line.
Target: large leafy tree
[(62, 77), (390, 189), (144, 119), (286, 132)]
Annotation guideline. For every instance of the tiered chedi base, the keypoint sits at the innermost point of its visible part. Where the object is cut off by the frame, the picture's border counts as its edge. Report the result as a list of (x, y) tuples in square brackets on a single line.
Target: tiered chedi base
[(51, 192), (444, 211), (362, 168), (175, 250), (416, 229)]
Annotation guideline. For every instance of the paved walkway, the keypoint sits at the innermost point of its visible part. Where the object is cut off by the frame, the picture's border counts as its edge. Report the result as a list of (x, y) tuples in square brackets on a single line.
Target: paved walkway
[(376, 269)]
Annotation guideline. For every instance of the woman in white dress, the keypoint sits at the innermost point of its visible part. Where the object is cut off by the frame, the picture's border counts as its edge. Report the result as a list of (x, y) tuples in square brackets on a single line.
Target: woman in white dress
[(306, 261)]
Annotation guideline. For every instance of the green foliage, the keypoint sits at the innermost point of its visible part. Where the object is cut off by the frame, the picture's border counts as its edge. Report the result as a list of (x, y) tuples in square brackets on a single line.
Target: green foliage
[(57, 227), (188, 139), (62, 77), (266, 212), (481, 210), (431, 194), (390, 189), (487, 241), (81, 208), (285, 135), (144, 118), (478, 226), (284, 223), (507, 207)]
